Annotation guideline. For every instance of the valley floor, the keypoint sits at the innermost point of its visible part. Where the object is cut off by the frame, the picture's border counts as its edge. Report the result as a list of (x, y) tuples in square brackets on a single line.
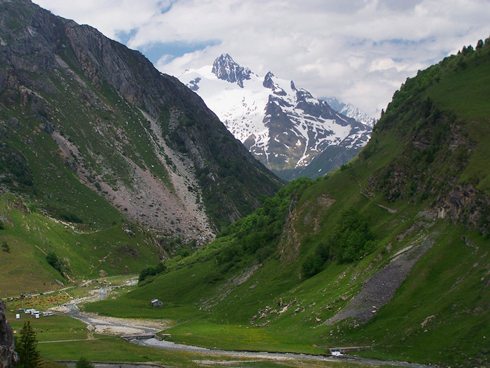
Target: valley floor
[(102, 339)]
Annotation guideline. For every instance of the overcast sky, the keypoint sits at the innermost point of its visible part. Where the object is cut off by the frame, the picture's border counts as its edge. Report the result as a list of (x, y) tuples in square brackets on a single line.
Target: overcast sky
[(357, 50)]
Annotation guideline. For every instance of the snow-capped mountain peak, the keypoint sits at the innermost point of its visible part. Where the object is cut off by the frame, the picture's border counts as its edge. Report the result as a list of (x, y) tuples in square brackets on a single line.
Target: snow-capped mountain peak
[(225, 68), (284, 126)]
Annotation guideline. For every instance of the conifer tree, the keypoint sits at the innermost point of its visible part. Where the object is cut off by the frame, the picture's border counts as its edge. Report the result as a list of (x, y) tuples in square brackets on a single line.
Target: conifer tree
[(27, 348), (84, 363)]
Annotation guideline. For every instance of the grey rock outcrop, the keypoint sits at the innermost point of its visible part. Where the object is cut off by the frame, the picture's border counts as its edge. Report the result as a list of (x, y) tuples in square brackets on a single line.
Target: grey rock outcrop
[(268, 82), (8, 356)]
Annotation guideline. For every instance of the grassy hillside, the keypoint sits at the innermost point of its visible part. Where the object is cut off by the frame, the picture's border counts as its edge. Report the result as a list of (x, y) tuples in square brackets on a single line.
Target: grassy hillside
[(28, 236), (405, 225)]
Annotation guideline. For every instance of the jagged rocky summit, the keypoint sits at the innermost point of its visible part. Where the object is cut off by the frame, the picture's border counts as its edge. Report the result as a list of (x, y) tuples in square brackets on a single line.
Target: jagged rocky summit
[(225, 68), (282, 125)]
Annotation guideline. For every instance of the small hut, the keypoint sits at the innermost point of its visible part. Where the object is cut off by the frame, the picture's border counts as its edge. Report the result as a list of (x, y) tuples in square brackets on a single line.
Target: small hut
[(156, 303)]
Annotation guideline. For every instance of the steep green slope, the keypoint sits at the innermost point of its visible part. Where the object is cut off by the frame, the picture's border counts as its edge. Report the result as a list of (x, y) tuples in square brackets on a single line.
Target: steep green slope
[(390, 253), (28, 236)]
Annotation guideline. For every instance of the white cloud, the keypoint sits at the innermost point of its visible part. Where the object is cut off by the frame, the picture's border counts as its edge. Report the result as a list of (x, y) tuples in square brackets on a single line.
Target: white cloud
[(359, 50), (108, 16)]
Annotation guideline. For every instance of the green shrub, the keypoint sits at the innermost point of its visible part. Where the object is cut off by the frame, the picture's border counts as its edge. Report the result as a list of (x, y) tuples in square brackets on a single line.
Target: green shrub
[(70, 217), (151, 271), (55, 262), (84, 363), (351, 241), (228, 255), (5, 247), (312, 265)]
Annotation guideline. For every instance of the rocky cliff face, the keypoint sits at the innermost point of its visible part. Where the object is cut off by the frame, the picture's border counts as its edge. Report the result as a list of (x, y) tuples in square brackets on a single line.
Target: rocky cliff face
[(77, 105), (8, 356)]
